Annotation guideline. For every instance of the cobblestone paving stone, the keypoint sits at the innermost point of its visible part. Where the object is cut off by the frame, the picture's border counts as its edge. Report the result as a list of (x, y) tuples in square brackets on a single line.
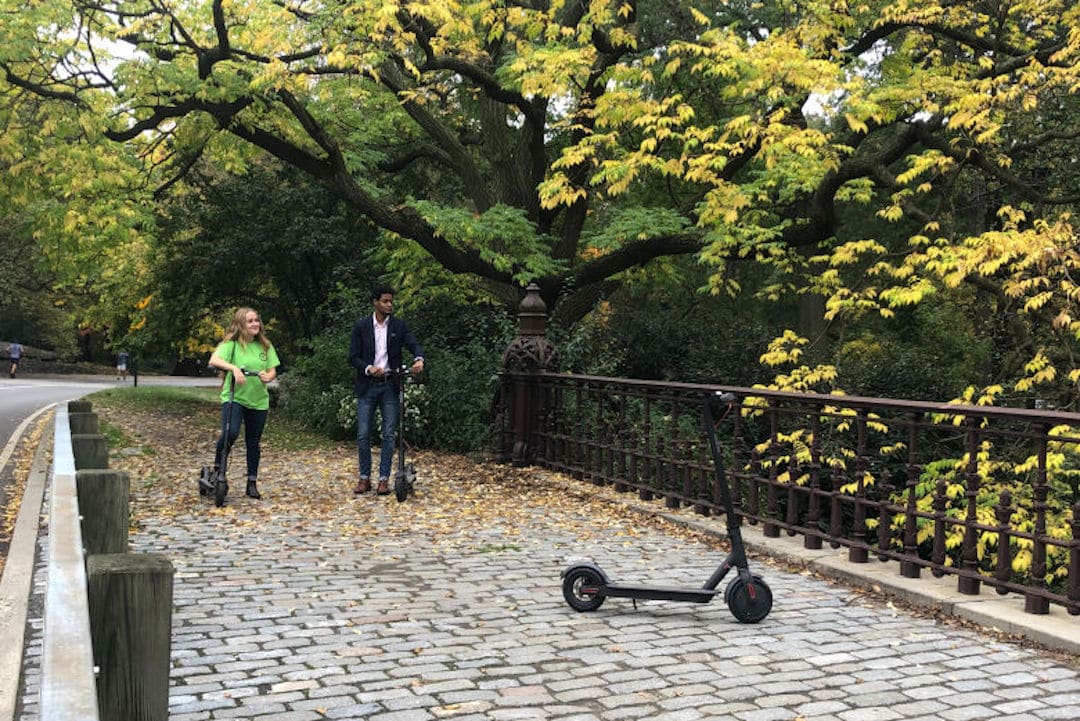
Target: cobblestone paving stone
[(289, 619)]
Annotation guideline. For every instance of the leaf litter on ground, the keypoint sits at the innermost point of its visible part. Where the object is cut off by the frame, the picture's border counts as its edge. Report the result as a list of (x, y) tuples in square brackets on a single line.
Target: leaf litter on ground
[(459, 500)]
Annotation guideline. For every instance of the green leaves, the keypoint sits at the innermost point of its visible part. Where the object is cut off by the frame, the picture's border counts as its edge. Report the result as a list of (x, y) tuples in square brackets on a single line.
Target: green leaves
[(873, 155), (635, 224), (503, 236)]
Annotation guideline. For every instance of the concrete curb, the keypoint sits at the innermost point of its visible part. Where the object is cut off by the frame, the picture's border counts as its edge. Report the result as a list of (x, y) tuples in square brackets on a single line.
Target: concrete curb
[(1055, 630), (68, 686), (18, 574)]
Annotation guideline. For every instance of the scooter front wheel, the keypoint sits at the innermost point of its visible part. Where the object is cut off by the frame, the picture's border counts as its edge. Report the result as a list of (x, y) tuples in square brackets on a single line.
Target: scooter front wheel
[(749, 602), (583, 589), (403, 482)]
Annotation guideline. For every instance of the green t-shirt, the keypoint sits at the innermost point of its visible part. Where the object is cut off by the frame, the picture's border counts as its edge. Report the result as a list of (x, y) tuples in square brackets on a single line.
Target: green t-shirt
[(251, 357)]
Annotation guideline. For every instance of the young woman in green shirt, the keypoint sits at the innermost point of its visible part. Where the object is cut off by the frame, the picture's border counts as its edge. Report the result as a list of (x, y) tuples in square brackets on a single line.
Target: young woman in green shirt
[(245, 348)]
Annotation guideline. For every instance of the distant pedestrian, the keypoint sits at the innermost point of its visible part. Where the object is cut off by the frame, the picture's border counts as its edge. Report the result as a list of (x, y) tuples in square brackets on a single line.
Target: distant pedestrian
[(15, 351), (250, 362), (374, 351), (121, 365)]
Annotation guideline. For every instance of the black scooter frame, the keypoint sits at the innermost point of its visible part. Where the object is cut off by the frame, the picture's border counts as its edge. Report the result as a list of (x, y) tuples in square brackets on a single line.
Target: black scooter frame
[(405, 477), (213, 482), (585, 585)]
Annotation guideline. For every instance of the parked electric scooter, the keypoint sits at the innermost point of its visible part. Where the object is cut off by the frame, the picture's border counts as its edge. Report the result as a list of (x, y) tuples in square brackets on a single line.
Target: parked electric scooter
[(585, 585), (405, 477), (212, 481)]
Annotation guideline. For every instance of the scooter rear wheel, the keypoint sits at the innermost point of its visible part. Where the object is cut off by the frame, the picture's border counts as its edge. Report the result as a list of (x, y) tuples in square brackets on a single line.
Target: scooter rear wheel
[(206, 481), (583, 589), (221, 489), (749, 602)]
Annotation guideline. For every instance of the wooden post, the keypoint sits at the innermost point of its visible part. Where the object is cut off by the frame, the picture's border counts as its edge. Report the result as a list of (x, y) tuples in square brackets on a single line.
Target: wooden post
[(103, 505), (130, 599), (79, 407), (91, 450), (83, 423)]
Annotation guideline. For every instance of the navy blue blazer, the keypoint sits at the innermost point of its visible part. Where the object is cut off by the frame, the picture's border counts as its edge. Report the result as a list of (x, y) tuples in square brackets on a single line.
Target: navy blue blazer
[(362, 347)]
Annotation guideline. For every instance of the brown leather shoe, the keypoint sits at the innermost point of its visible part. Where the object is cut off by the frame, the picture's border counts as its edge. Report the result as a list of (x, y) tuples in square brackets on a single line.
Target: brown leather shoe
[(384, 487), (362, 487)]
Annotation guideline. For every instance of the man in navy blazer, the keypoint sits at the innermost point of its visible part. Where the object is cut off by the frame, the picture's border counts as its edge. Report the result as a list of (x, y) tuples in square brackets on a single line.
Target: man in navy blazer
[(374, 350)]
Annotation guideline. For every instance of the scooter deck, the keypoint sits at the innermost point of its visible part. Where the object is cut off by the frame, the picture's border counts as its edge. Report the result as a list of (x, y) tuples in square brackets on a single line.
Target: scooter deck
[(661, 593)]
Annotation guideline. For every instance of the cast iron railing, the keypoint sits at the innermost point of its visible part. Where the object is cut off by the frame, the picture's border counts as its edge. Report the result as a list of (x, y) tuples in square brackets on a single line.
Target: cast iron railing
[(987, 494)]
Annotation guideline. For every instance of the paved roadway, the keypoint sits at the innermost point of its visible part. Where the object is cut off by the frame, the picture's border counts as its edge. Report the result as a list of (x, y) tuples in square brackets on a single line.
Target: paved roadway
[(21, 400), (24, 397), (21, 397)]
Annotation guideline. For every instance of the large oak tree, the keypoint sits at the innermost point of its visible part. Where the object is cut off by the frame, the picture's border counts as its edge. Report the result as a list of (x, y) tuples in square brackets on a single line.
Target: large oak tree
[(568, 141)]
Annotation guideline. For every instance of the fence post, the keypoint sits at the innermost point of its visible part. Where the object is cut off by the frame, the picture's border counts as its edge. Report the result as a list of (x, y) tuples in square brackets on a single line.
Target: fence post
[(83, 423), (91, 450), (103, 506), (529, 353), (130, 599)]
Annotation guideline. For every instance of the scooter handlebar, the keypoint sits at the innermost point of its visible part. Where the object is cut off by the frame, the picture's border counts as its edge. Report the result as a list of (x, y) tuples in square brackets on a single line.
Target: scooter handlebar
[(716, 402)]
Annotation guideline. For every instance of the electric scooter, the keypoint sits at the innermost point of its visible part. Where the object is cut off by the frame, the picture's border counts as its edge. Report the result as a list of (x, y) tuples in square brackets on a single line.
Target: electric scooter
[(405, 477), (212, 481), (585, 585)]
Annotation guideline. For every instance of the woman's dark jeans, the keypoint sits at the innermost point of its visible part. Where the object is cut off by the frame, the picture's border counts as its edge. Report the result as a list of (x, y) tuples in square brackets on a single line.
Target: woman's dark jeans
[(254, 421)]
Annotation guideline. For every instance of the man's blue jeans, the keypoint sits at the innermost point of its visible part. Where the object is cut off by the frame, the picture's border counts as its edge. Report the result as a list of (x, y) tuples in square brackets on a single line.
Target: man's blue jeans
[(379, 394)]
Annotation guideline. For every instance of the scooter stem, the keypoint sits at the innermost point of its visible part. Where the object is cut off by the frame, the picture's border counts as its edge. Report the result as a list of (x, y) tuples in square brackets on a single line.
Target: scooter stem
[(714, 446)]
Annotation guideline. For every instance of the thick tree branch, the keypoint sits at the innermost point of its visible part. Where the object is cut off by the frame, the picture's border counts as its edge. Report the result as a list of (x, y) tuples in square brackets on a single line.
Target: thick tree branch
[(44, 91), (464, 165), (319, 168), (632, 254), (314, 130), (413, 154), (402, 220), (223, 112), (209, 58), (974, 156)]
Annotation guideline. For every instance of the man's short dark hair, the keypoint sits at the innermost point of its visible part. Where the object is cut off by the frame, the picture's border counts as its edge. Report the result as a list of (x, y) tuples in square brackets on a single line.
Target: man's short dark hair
[(380, 290)]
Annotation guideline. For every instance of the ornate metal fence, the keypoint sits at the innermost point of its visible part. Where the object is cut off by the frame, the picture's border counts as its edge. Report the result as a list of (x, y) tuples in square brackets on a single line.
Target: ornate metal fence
[(989, 495)]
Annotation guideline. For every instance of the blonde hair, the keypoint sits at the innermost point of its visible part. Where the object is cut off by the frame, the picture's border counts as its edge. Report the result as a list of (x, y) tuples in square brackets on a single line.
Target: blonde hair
[(236, 329)]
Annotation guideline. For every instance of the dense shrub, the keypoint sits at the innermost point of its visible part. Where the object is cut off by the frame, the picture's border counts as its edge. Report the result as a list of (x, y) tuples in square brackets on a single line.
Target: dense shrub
[(923, 354), (451, 408), (448, 409), (669, 331), (318, 384)]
